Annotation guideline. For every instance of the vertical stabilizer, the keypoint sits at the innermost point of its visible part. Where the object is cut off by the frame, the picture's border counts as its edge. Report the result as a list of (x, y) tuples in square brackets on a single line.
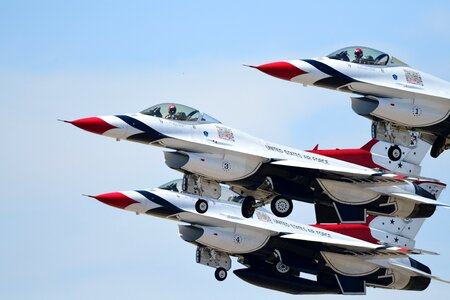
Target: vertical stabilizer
[(381, 230), (381, 155), (395, 231), (398, 159)]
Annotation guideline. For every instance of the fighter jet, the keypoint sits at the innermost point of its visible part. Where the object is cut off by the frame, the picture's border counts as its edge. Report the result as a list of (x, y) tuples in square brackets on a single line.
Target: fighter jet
[(277, 253), (210, 153), (404, 103)]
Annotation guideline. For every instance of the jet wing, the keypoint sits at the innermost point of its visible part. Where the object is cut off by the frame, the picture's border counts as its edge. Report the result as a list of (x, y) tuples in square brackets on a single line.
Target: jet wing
[(357, 171), (352, 244)]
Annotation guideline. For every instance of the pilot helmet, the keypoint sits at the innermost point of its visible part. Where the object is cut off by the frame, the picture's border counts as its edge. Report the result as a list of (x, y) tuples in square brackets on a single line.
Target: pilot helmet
[(358, 52), (172, 109)]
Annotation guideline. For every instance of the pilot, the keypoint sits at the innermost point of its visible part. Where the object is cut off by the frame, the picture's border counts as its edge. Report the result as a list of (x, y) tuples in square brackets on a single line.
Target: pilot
[(172, 110), (358, 55)]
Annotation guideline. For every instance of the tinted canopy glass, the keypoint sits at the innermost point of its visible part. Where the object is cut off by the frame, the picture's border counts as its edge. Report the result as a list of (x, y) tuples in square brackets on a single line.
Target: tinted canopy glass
[(365, 55), (226, 193), (180, 112)]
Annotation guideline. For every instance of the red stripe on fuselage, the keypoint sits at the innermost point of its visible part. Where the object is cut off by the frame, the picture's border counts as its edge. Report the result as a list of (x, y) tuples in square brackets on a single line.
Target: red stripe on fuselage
[(358, 231), (357, 156)]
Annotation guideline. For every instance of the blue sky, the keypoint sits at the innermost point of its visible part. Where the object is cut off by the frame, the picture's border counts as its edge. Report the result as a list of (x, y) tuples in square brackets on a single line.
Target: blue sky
[(72, 60)]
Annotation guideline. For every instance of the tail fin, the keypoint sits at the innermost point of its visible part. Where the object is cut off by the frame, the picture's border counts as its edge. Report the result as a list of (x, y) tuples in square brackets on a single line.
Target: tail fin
[(398, 159), (382, 155), (381, 230), (395, 231)]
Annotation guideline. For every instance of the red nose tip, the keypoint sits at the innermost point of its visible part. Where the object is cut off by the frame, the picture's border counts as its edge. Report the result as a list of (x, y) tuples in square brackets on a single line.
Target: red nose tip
[(94, 124), (282, 70), (115, 199)]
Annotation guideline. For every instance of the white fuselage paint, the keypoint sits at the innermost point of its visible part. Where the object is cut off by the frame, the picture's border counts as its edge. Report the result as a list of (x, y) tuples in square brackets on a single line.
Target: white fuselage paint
[(400, 101), (225, 154), (224, 229)]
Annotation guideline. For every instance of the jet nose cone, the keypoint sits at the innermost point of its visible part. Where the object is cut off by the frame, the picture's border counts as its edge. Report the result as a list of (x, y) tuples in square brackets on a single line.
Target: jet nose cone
[(115, 199), (93, 124), (281, 69)]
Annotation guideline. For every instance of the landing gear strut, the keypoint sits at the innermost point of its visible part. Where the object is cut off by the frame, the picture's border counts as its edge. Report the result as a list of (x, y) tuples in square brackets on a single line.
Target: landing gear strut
[(218, 260)]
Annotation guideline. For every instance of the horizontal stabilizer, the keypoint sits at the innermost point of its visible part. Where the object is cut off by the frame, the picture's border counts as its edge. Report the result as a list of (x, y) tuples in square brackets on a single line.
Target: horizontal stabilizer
[(419, 199), (417, 271)]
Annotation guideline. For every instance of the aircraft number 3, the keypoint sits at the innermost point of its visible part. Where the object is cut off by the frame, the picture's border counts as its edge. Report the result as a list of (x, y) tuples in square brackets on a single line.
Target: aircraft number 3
[(226, 166)]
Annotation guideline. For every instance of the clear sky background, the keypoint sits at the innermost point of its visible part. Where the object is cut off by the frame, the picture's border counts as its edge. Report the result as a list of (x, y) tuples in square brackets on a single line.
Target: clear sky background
[(86, 58)]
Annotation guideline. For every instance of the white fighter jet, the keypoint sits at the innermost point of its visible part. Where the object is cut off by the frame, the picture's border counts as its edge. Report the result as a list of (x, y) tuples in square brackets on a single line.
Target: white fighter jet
[(210, 153), (404, 103), (277, 253)]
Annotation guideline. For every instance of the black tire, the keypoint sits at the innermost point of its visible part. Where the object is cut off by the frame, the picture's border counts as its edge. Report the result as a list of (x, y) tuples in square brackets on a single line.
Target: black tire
[(281, 207), (247, 208), (438, 147), (220, 274), (201, 206), (394, 153), (281, 268)]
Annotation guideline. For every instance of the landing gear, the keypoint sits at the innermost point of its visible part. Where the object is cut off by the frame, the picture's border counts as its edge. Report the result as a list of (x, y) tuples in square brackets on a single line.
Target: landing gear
[(394, 153), (248, 207), (438, 146), (218, 260), (201, 206), (281, 207), (220, 274), (282, 268)]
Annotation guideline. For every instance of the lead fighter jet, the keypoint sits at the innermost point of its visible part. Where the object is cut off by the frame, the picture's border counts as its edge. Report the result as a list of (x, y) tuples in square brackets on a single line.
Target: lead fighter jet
[(210, 153), (277, 252), (404, 103)]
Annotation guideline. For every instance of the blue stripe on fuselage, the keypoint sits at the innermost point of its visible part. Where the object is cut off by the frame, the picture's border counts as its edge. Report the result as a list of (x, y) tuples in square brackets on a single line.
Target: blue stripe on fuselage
[(148, 135), (337, 78), (166, 208)]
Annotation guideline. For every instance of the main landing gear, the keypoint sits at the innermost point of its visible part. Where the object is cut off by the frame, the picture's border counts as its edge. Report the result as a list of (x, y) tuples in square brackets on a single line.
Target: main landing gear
[(394, 153), (201, 206), (438, 146), (281, 207)]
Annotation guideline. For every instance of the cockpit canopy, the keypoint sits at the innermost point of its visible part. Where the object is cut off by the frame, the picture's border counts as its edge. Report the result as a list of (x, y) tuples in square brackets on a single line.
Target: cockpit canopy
[(179, 112), (226, 193), (365, 55)]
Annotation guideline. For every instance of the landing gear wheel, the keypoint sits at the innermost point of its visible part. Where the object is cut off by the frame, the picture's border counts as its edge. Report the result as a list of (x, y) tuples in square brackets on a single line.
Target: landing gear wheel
[(438, 147), (281, 207), (201, 206), (247, 207), (282, 268), (394, 153), (220, 274)]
